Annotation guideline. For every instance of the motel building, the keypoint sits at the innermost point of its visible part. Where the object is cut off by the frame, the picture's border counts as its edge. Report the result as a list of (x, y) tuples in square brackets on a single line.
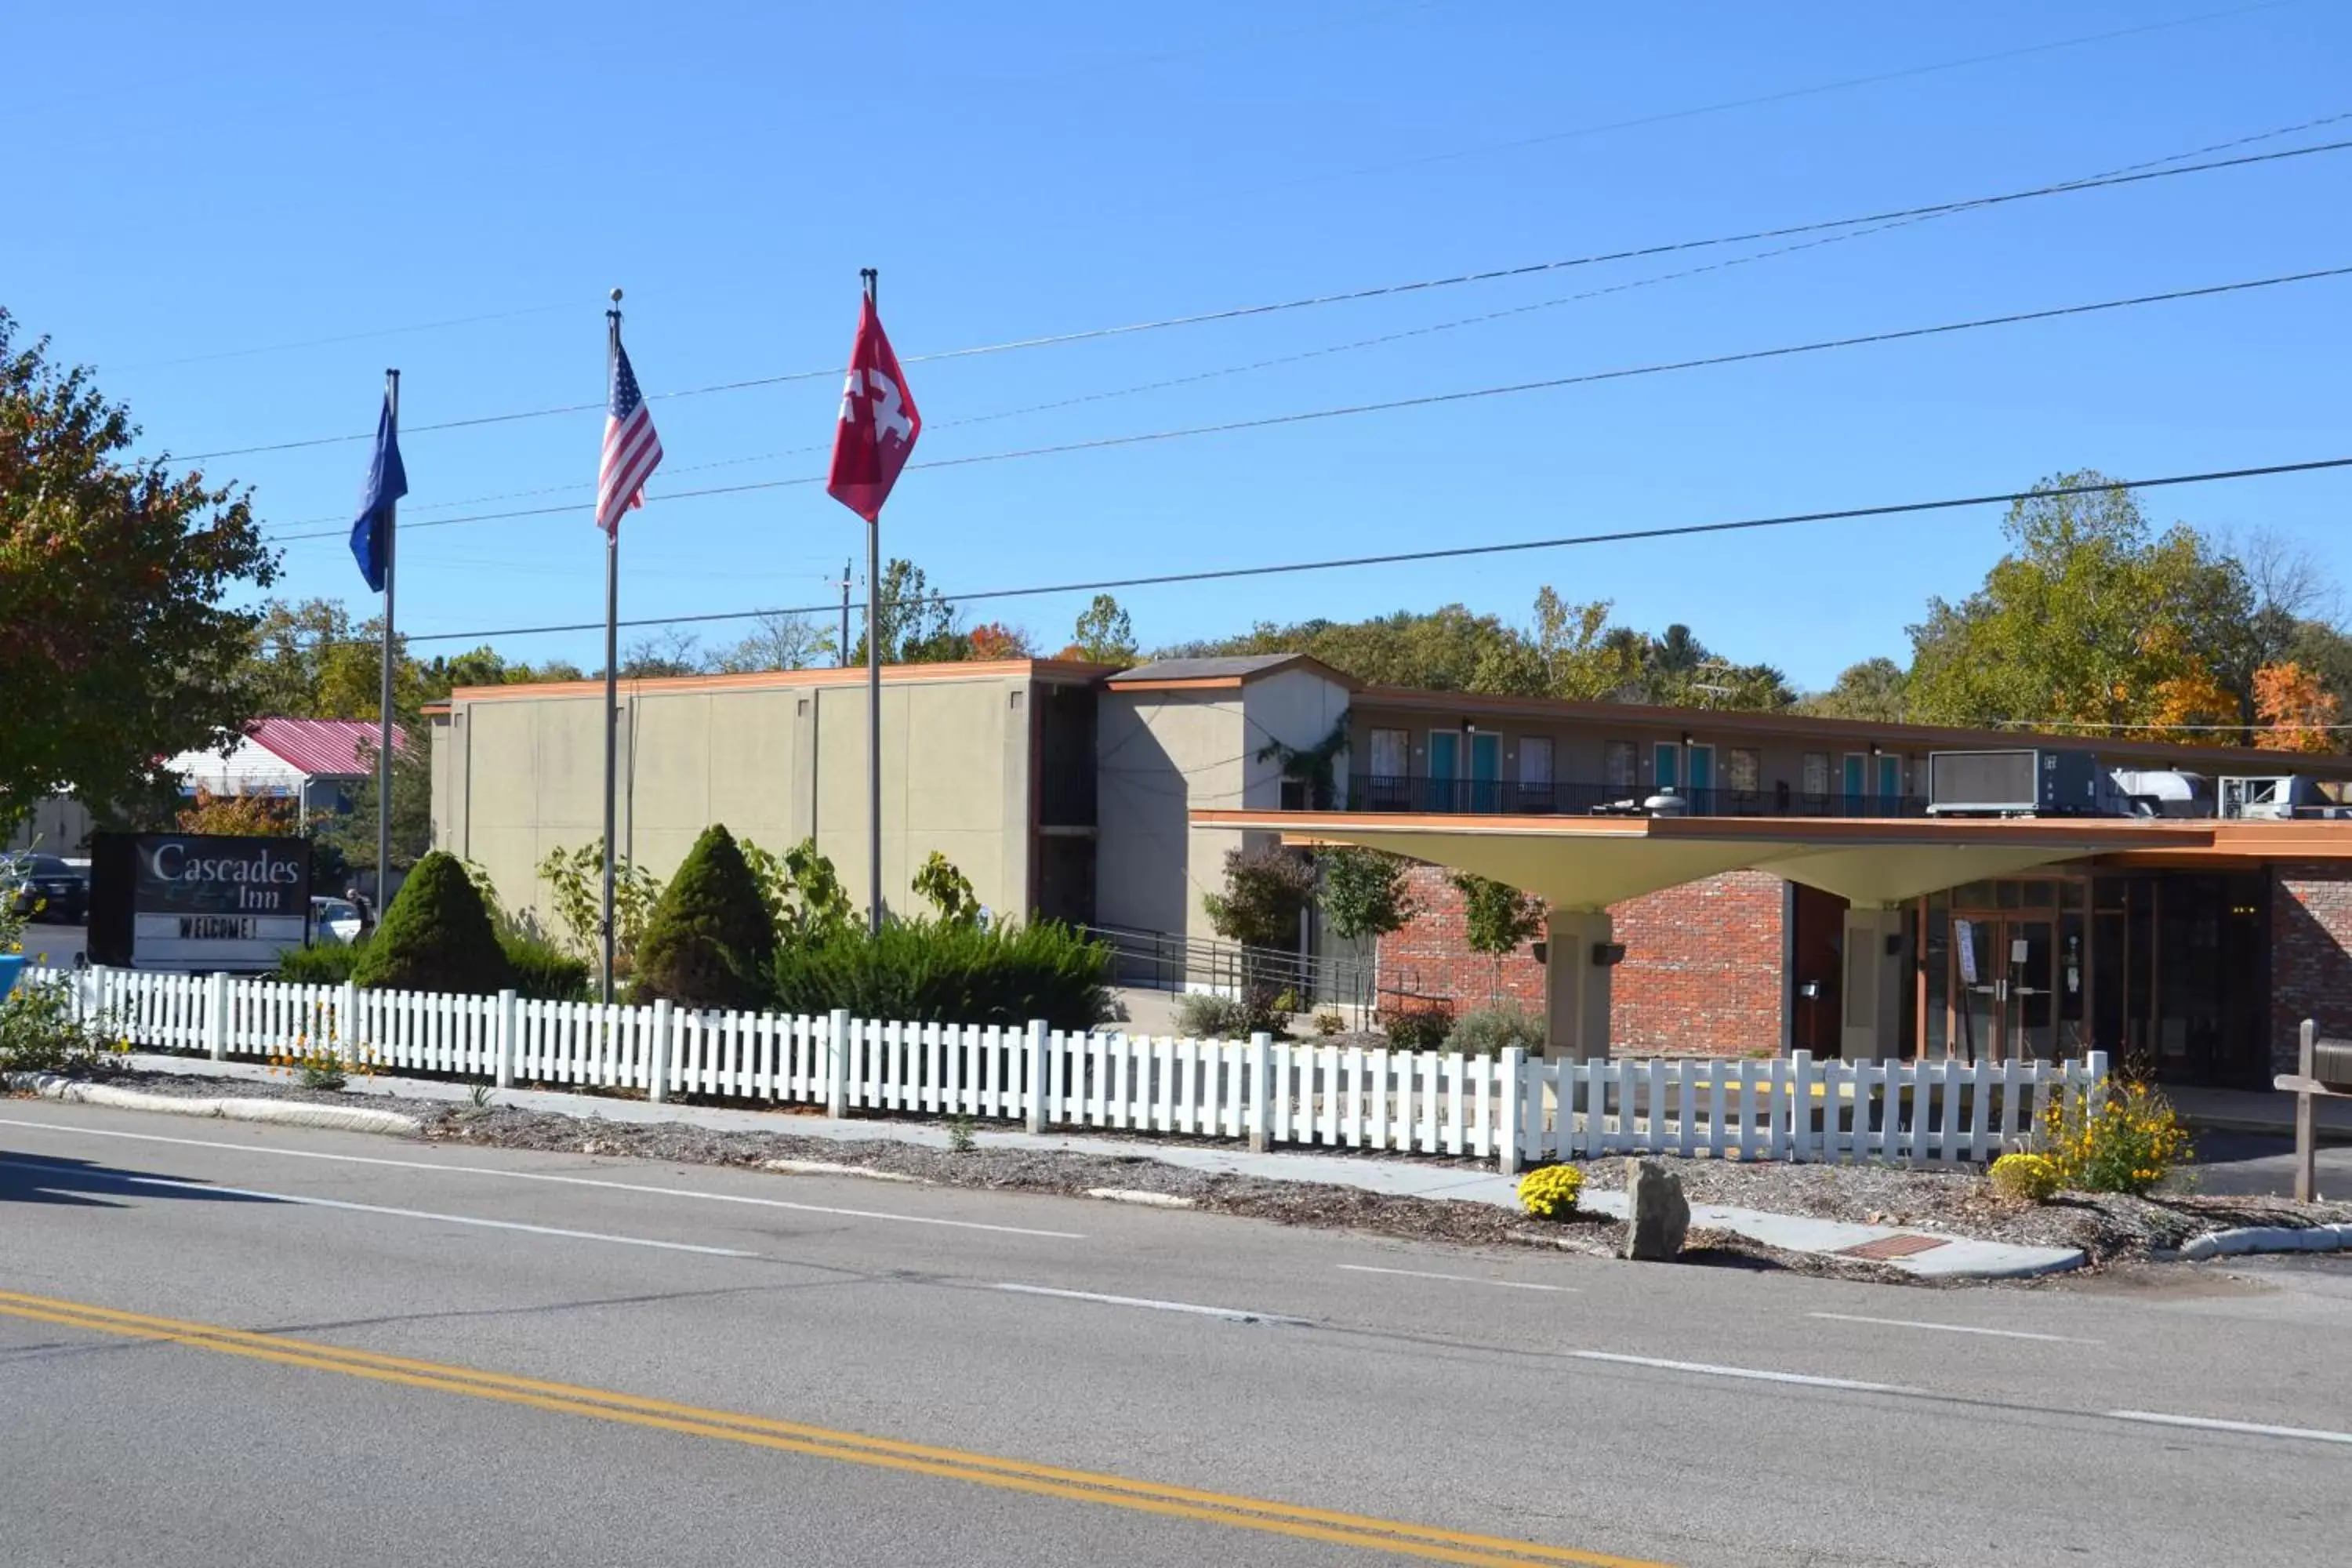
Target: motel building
[(1788, 890)]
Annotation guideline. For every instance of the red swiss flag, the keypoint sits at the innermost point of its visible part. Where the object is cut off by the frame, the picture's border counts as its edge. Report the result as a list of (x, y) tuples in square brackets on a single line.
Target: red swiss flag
[(879, 423)]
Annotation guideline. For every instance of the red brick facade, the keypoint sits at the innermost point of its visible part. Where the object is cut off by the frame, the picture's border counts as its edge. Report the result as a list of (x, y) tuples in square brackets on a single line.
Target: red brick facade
[(1702, 973), (2311, 953)]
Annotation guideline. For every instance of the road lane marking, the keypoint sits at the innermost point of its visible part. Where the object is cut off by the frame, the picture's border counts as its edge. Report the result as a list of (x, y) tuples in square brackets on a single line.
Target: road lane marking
[(1951, 1328), (1458, 1279), (2248, 1428), (1751, 1374), (1422, 1542), (1230, 1314), (540, 1176), (298, 1200)]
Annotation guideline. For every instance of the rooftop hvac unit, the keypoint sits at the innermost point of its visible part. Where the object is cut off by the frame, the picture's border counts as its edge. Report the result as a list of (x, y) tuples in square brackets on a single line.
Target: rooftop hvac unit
[(2021, 783), (2277, 796)]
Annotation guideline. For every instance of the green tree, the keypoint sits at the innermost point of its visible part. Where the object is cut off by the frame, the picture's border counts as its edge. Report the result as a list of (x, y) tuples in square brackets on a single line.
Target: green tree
[(1496, 917), (353, 834), (709, 940), (1267, 888), (575, 885), (114, 580), (1103, 634), (918, 624), (1366, 894), (2091, 618), (1873, 689), (436, 935)]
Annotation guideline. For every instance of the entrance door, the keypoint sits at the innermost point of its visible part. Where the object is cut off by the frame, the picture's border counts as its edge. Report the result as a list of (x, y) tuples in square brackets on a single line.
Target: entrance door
[(1445, 768), (1702, 779), (2003, 985), (1486, 771)]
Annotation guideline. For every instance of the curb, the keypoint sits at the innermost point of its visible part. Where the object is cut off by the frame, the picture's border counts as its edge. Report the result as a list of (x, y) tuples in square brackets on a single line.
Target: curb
[(285, 1113), (2267, 1238), (1136, 1195), (833, 1168)]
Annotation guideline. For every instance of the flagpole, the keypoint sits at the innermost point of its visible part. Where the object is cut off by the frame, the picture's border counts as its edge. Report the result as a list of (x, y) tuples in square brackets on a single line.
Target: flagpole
[(383, 738), (873, 277), (611, 668)]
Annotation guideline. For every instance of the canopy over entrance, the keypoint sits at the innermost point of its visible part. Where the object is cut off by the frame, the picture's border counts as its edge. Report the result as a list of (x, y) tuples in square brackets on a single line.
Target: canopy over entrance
[(1591, 862)]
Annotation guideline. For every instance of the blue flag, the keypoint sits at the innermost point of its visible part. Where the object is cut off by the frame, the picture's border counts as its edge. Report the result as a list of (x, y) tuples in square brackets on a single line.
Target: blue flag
[(387, 482)]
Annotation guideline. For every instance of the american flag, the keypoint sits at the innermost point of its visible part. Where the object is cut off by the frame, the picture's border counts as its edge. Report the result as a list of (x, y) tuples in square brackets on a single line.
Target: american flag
[(632, 450)]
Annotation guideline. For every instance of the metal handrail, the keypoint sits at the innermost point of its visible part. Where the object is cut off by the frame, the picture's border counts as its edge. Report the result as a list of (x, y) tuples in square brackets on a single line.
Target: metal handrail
[(1170, 961), (1375, 792)]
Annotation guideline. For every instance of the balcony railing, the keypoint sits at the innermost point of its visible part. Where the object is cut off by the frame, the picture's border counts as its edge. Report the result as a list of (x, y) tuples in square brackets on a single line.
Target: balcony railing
[(1374, 792)]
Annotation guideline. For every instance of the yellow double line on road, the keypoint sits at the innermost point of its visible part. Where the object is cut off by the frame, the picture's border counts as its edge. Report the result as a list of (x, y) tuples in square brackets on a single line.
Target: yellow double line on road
[(1390, 1536)]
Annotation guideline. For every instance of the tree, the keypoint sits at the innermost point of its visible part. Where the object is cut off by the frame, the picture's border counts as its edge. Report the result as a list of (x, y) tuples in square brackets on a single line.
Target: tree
[(1496, 917), (709, 940), (670, 652), (1365, 893), (777, 642), (1266, 892), (2298, 713), (994, 639), (918, 623), (353, 834), (114, 575), (1103, 635), (2090, 619), (436, 935), (237, 815), (1873, 689), (575, 884)]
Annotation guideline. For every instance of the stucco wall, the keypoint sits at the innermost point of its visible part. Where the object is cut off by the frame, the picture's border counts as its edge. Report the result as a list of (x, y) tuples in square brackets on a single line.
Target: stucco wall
[(1159, 756), (518, 775)]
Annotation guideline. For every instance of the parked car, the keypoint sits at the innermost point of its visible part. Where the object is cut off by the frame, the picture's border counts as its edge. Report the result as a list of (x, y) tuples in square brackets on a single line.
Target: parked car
[(335, 920), (46, 888)]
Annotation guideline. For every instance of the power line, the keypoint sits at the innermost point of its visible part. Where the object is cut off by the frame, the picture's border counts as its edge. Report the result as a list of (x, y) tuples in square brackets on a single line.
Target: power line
[(1351, 296), (1451, 553), (1433, 399), (1166, 383)]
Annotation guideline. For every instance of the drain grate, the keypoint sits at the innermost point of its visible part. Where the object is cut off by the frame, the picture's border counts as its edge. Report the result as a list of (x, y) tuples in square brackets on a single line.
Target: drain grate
[(1887, 1246)]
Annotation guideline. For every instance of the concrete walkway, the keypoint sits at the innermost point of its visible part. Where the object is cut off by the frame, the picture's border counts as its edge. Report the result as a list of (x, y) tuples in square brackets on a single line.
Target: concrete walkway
[(2257, 1110), (1943, 1256)]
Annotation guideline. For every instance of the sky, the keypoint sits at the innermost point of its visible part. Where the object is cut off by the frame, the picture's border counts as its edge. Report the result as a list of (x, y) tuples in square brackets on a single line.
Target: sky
[(241, 215)]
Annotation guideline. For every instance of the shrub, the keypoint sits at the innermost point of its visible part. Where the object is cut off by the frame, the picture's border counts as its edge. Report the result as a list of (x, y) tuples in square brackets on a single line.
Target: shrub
[(1209, 1017), (2025, 1178), (2128, 1145), (1485, 1031), (1423, 1028), (326, 963), (709, 940), (1551, 1191), (544, 972), (436, 936), (1328, 1022), (324, 1064), (947, 973), (39, 1033)]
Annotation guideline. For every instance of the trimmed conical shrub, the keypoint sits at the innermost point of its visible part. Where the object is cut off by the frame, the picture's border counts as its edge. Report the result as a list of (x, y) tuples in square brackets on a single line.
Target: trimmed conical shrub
[(436, 935), (709, 941)]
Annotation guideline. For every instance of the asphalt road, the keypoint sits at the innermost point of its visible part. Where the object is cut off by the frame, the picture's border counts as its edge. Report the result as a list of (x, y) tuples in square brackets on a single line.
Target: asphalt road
[(243, 1347)]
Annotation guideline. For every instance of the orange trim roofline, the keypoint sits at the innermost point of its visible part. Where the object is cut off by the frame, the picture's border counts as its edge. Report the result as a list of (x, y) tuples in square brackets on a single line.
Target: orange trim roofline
[(769, 679)]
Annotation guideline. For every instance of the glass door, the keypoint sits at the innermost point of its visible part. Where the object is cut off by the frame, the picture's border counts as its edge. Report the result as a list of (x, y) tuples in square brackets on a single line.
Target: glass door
[(1975, 988), (2004, 985), (2030, 1028)]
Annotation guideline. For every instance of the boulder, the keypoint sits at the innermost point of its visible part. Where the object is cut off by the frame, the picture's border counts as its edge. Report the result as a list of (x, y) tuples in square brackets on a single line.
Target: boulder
[(1657, 1216)]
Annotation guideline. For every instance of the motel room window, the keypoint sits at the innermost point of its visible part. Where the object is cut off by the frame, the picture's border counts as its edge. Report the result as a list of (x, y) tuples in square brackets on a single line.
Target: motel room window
[(1743, 770), (1617, 769), (1389, 788), (1817, 774), (1535, 772)]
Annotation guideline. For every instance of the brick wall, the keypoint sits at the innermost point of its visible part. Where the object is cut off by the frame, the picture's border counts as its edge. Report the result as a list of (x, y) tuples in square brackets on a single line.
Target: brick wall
[(2311, 953), (1701, 973)]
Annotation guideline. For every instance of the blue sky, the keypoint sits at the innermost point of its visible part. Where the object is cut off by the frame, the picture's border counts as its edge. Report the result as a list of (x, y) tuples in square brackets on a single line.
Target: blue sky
[(205, 181)]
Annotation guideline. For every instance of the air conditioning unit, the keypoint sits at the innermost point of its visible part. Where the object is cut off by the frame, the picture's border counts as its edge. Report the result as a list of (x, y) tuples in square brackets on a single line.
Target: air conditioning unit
[(2020, 783), (2276, 796)]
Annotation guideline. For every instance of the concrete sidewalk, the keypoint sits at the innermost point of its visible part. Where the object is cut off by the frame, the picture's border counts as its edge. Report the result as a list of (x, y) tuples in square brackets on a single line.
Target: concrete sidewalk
[(1941, 1256), (2257, 1110)]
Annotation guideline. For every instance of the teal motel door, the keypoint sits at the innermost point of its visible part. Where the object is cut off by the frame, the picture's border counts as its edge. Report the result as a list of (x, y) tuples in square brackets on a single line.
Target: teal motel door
[(1457, 782)]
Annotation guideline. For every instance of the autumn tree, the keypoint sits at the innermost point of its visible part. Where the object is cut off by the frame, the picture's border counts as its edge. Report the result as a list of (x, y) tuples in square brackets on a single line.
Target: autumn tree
[(2297, 713), (118, 644), (2091, 618), (236, 816), (994, 639)]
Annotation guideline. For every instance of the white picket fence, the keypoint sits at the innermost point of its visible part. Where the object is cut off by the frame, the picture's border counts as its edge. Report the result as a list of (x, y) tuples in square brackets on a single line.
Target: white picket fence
[(1512, 1109)]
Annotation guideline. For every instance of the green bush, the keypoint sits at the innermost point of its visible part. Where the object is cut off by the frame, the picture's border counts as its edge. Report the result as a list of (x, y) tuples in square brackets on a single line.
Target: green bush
[(947, 973), (1485, 1031), (38, 1033), (1205, 1016), (1420, 1028), (436, 936), (327, 963), (544, 972), (709, 940)]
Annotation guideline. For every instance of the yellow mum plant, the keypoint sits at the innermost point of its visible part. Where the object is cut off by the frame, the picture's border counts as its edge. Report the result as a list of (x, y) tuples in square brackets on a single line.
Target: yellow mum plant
[(2027, 1178), (1550, 1192)]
